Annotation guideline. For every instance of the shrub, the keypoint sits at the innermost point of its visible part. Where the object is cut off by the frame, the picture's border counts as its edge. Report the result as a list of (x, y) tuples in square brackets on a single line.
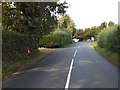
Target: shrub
[(14, 44), (108, 38), (56, 39)]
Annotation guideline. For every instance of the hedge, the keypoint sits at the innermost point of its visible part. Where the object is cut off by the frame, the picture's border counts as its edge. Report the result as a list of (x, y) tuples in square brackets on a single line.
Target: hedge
[(14, 45), (108, 38), (58, 38)]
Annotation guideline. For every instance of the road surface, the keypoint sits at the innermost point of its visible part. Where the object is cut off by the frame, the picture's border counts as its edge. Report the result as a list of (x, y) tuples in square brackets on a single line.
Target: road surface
[(77, 66)]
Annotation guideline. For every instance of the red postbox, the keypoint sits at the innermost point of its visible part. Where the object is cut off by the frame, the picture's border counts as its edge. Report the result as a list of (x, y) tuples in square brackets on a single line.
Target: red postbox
[(28, 50)]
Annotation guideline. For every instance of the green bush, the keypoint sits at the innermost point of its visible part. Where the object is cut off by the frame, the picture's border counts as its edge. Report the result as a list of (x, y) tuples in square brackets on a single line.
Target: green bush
[(14, 45), (56, 39), (108, 38), (107, 53)]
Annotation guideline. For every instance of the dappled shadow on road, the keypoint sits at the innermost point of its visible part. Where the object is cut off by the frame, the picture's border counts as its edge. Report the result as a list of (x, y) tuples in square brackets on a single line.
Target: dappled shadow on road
[(47, 69), (41, 77)]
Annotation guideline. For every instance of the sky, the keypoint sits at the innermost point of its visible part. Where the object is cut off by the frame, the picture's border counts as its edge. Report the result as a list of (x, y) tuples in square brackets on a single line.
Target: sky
[(89, 13)]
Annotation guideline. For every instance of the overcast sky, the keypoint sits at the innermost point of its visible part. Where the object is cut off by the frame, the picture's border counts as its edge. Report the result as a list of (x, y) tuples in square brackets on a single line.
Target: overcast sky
[(88, 13)]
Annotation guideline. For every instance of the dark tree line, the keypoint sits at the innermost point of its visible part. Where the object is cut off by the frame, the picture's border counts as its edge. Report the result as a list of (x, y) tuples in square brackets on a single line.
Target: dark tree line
[(87, 33)]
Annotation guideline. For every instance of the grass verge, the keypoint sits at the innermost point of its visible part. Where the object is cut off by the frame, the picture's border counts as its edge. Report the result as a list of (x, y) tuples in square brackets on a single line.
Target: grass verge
[(13, 68), (113, 57)]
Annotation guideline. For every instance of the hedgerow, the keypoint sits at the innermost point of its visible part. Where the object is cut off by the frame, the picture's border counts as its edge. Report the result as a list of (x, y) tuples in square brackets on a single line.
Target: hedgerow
[(14, 45), (58, 38), (108, 38)]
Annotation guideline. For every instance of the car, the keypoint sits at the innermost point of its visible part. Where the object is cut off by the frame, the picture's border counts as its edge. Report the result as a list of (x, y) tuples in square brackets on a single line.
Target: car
[(75, 40)]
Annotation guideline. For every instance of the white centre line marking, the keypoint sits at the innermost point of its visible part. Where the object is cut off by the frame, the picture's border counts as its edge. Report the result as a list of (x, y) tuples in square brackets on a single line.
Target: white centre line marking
[(69, 75), (75, 53)]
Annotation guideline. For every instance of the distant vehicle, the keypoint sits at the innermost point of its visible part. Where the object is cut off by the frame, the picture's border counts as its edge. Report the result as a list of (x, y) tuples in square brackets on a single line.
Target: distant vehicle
[(88, 40), (92, 38), (75, 40)]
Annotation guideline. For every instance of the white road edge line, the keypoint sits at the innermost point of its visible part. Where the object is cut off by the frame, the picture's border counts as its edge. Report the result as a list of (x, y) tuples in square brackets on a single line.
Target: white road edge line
[(69, 75), (75, 53)]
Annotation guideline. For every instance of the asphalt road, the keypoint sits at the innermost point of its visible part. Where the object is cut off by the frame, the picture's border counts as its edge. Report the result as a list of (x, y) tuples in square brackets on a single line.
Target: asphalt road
[(77, 66)]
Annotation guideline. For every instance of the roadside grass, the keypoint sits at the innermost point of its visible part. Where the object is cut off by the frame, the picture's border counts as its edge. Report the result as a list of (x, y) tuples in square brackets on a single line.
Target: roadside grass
[(13, 68), (113, 57)]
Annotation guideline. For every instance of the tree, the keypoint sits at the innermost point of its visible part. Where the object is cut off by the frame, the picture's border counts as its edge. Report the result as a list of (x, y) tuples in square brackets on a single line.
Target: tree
[(103, 25), (33, 18), (79, 34), (87, 33), (67, 22), (111, 23)]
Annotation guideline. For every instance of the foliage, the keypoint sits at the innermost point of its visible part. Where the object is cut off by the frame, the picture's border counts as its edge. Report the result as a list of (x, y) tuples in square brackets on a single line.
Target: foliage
[(14, 45), (87, 33), (31, 20), (103, 25), (108, 38), (24, 23), (37, 18), (67, 23), (111, 23), (58, 38)]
